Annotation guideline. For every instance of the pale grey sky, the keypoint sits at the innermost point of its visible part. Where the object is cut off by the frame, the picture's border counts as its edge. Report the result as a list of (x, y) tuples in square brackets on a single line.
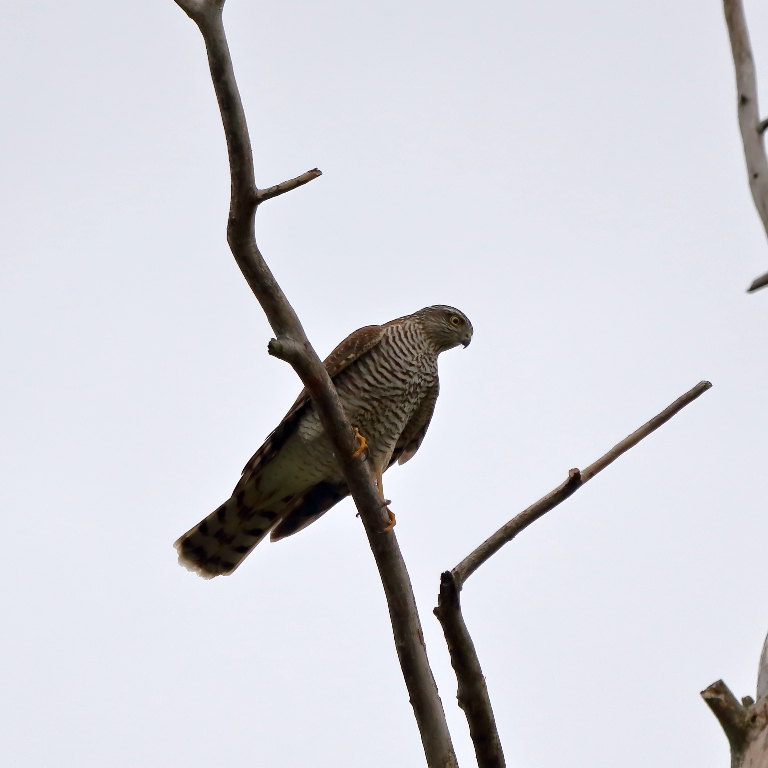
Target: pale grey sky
[(569, 175)]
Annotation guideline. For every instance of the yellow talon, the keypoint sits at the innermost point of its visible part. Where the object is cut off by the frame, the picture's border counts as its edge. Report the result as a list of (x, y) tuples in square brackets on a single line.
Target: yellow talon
[(392, 521), (392, 518), (362, 444)]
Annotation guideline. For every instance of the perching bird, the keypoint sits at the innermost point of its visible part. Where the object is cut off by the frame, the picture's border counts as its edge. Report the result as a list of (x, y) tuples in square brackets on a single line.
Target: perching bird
[(386, 377)]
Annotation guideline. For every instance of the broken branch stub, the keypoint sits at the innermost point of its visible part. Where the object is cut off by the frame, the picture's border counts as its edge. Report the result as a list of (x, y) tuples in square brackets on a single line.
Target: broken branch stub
[(745, 725)]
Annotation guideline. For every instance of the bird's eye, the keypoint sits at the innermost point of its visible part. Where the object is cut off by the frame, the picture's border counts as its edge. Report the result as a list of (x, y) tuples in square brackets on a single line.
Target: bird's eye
[(455, 320)]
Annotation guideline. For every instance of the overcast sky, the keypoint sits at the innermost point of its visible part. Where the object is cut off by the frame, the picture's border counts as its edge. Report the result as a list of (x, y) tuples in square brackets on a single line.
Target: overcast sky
[(570, 175)]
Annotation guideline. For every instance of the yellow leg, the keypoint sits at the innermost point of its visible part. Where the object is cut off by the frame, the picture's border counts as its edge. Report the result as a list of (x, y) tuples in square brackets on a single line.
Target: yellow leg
[(392, 521), (362, 444), (392, 518)]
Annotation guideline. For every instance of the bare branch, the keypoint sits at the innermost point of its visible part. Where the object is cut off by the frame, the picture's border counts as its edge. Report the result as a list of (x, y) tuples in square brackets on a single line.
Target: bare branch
[(473, 693), (293, 345), (575, 480), (729, 713), (749, 115), (745, 724), (287, 186), (758, 282), (196, 9), (762, 673)]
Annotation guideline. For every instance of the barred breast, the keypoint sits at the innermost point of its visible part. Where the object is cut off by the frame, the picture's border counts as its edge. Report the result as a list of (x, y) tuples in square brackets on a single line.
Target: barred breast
[(381, 391)]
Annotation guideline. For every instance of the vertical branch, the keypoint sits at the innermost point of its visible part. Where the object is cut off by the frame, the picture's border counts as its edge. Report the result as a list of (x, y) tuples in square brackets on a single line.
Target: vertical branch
[(749, 116), (762, 672), (473, 693), (745, 725), (292, 345)]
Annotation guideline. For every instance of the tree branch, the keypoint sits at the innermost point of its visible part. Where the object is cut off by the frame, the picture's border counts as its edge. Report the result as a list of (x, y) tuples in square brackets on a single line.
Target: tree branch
[(473, 693), (749, 116), (293, 345), (762, 672), (729, 713), (745, 725), (287, 186), (758, 282), (575, 480)]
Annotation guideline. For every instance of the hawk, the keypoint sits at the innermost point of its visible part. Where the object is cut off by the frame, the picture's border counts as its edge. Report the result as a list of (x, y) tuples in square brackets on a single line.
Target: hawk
[(386, 377)]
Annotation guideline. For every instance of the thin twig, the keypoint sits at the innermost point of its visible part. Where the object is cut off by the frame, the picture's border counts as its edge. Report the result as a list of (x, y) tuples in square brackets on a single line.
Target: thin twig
[(750, 125), (287, 186), (293, 345), (473, 693), (575, 480)]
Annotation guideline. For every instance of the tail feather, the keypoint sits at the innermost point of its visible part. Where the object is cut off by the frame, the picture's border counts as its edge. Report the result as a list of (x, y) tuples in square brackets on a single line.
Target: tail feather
[(220, 542), (307, 508)]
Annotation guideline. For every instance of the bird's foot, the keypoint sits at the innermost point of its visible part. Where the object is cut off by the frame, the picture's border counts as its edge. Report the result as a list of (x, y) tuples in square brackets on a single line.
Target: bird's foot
[(392, 519), (362, 443)]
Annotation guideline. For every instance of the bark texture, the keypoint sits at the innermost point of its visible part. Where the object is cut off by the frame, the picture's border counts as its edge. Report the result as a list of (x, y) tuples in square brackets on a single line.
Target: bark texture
[(472, 695), (745, 725), (750, 124)]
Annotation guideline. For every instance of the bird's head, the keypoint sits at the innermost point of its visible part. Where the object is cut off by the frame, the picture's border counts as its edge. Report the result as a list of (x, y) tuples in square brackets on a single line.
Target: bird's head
[(446, 327)]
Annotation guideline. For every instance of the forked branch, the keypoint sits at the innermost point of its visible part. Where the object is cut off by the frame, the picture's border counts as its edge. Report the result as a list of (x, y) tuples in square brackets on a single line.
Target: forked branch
[(473, 693), (750, 125), (745, 724), (293, 346)]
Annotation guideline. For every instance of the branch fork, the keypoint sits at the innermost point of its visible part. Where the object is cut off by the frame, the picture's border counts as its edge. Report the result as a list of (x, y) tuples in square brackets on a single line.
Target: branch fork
[(473, 693), (292, 345), (198, 9), (745, 725)]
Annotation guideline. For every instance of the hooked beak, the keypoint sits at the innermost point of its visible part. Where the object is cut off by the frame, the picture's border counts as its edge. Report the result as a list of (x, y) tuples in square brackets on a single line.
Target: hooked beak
[(466, 341)]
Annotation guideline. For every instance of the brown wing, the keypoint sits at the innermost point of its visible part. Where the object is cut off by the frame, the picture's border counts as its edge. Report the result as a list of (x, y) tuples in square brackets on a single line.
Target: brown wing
[(318, 500), (355, 345), (416, 428)]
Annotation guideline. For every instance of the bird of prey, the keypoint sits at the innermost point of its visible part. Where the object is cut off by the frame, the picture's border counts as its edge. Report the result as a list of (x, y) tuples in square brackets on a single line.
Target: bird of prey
[(386, 377)]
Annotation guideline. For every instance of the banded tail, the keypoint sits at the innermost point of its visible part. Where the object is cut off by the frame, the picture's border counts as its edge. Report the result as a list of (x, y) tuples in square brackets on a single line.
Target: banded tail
[(219, 543)]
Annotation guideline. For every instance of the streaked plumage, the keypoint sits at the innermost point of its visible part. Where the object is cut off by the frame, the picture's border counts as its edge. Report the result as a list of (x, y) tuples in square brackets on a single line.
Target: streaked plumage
[(386, 376)]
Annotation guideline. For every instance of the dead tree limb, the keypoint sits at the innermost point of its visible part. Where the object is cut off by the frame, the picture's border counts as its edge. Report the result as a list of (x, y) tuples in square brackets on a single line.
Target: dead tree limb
[(750, 125), (575, 480), (292, 345), (745, 724), (473, 693)]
